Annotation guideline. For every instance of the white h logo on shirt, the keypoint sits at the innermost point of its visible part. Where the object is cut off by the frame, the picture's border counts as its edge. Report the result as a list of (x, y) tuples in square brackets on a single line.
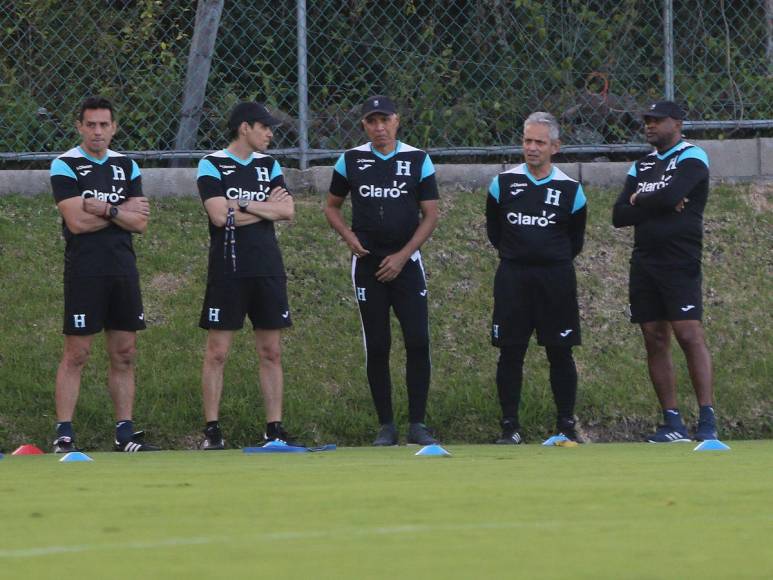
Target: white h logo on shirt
[(214, 315), (262, 173), (552, 196), (403, 168), (79, 320), (118, 173)]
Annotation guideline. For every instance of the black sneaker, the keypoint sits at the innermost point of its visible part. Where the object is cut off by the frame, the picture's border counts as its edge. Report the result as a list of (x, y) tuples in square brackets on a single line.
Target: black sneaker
[(669, 434), (387, 436), (278, 433), (510, 434), (213, 439), (706, 431), (135, 444), (567, 426), (419, 434), (64, 444)]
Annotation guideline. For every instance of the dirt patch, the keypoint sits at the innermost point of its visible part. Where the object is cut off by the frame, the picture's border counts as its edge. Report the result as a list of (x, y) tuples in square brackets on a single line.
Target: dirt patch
[(188, 442), (759, 197), (167, 283), (622, 429)]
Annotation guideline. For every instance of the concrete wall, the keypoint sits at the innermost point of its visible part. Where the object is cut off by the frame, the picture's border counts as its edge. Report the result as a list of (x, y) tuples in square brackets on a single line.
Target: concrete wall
[(731, 160)]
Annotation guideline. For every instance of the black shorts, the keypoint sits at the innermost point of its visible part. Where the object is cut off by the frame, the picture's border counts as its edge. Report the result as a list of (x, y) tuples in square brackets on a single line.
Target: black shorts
[(665, 293), (92, 304), (529, 297), (263, 299)]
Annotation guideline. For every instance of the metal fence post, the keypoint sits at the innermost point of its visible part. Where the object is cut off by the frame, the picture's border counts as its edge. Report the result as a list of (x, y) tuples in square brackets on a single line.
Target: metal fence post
[(668, 47), (199, 62), (769, 20), (303, 88)]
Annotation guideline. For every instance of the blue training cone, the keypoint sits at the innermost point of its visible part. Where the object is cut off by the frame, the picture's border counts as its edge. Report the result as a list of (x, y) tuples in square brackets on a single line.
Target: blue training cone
[(75, 456), (433, 451), (712, 445), (552, 441), (276, 446)]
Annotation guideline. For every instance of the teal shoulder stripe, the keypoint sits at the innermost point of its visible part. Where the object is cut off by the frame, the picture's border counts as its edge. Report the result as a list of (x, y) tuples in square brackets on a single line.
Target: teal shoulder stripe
[(427, 168), (340, 166), (208, 169), (694, 153), (59, 167), (276, 170), (135, 171), (493, 189), (632, 170), (579, 199)]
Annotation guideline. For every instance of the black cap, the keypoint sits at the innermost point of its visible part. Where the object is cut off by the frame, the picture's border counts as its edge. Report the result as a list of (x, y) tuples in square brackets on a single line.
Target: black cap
[(663, 109), (378, 104), (251, 112)]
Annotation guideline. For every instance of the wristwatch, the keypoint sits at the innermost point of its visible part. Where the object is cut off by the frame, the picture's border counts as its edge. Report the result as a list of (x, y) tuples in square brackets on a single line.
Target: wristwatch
[(113, 213), (243, 205)]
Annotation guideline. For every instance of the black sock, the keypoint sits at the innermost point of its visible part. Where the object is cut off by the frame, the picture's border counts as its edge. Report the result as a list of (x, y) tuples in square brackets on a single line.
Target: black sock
[(563, 379), (510, 379), (124, 430), (672, 418), (212, 425), (273, 429), (510, 423), (64, 429), (707, 413)]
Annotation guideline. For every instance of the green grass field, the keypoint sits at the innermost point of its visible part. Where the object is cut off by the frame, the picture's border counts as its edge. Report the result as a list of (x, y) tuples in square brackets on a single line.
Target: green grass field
[(619, 511)]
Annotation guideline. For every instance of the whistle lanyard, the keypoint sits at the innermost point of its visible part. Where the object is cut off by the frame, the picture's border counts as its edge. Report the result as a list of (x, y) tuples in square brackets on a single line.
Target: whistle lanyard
[(230, 237)]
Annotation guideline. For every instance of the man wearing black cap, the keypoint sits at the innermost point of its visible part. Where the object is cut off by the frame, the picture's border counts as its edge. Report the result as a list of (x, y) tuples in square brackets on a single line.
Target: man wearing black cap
[(392, 184), (664, 198), (244, 193)]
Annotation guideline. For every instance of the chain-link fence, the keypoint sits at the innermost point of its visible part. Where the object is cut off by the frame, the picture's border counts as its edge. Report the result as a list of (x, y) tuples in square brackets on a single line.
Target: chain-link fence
[(464, 72)]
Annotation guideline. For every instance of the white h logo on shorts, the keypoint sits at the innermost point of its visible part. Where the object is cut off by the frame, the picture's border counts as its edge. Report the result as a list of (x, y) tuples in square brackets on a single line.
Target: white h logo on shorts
[(214, 315), (403, 168), (79, 320), (361, 294)]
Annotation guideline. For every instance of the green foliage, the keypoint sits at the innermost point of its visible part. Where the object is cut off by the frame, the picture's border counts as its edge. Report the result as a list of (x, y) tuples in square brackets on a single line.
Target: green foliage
[(327, 398), (465, 73), (64, 51)]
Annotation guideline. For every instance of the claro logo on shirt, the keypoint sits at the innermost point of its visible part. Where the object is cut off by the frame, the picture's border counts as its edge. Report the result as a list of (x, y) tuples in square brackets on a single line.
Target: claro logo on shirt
[(239, 193), (520, 219), (113, 197), (372, 191), (647, 186)]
